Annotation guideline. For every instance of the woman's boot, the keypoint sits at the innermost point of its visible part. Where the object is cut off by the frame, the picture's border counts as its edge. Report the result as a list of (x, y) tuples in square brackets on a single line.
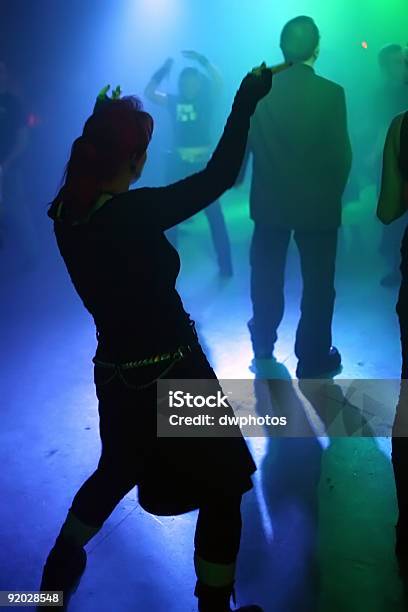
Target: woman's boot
[(66, 561), (63, 569)]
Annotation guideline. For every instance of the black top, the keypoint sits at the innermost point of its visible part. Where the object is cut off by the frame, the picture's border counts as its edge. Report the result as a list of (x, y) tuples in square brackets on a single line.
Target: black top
[(301, 152), (11, 120), (191, 120), (121, 263)]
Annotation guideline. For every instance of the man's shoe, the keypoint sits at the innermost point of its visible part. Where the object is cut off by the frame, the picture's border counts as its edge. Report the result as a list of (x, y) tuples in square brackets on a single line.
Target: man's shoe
[(269, 369), (63, 570), (326, 367)]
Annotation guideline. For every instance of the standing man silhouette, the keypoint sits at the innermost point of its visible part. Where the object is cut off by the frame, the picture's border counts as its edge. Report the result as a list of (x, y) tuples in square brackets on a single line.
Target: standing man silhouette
[(301, 162)]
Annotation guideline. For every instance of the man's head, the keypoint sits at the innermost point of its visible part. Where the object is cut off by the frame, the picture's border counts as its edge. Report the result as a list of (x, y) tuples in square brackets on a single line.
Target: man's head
[(393, 63), (3, 75), (300, 40)]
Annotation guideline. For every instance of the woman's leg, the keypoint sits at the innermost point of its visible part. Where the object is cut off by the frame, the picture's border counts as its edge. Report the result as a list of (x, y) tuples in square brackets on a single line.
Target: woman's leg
[(92, 505), (101, 493), (95, 502), (116, 473), (218, 531), (217, 542), (114, 477)]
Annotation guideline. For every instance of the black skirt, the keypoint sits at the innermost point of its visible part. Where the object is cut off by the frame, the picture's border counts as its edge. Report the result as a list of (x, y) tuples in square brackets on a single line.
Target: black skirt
[(174, 475)]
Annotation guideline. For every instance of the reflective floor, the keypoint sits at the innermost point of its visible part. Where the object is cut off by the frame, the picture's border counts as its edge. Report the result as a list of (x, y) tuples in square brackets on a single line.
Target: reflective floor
[(319, 524)]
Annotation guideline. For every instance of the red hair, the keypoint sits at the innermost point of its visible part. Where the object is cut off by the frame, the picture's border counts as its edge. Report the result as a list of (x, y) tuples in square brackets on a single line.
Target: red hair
[(111, 136)]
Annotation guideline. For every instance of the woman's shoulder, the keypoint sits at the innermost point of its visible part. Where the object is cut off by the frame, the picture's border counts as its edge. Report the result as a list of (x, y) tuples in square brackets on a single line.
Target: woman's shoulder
[(126, 210), (129, 202), (129, 209)]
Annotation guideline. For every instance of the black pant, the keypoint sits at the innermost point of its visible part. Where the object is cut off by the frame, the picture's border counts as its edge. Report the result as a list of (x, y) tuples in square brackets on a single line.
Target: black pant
[(129, 446), (268, 260), (390, 241)]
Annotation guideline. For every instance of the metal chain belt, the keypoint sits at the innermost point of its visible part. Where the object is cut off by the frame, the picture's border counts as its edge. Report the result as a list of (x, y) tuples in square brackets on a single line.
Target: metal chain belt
[(118, 368), (130, 365)]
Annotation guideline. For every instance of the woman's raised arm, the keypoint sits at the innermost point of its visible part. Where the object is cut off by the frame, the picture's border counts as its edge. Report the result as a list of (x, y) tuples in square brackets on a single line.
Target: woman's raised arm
[(171, 205)]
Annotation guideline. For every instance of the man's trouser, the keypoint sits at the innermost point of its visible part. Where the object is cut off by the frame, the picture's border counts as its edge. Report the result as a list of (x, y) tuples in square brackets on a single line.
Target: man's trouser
[(317, 251)]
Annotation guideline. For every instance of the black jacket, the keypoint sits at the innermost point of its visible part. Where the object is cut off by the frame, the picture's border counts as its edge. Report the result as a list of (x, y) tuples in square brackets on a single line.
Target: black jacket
[(301, 152)]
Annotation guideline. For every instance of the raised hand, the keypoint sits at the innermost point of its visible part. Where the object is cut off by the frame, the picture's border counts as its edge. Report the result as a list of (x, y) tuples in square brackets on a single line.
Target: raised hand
[(193, 55), (116, 93), (257, 84), (103, 93), (103, 98)]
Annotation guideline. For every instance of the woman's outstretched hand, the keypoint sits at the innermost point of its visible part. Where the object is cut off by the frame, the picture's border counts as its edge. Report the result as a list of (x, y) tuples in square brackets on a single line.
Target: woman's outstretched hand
[(258, 83)]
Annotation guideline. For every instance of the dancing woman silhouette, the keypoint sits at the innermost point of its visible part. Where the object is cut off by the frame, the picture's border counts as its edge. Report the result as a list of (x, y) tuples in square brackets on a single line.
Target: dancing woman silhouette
[(124, 269)]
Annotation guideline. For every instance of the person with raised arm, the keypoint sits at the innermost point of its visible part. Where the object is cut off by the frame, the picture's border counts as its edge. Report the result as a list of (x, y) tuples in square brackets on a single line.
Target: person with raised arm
[(191, 111), (113, 243)]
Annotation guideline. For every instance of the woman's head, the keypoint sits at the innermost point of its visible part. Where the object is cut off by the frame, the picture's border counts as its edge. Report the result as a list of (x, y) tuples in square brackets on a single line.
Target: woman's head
[(113, 145)]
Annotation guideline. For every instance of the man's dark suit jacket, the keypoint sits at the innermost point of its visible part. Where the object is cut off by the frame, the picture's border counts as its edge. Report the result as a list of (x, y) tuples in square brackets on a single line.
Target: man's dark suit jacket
[(301, 152)]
